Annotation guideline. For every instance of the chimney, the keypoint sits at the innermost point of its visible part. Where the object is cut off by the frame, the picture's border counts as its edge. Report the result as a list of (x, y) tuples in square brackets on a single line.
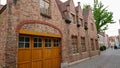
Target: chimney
[(68, 7), (89, 7), (78, 3)]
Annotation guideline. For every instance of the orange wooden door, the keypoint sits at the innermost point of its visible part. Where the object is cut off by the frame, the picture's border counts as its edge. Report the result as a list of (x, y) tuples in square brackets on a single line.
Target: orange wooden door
[(51, 53), (56, 53), (47, 53), (24, 52), (38, 52)]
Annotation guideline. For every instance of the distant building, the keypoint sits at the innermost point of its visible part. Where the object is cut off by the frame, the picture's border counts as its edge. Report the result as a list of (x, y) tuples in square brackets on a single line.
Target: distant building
[(103, 39), (107, 42), (112, 41), (117, 40), (119, 35)]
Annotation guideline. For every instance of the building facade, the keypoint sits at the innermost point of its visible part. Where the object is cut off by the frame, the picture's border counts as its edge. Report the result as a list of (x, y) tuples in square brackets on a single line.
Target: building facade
[(112, 41), (101, 38), (119, 35), (45, 34)]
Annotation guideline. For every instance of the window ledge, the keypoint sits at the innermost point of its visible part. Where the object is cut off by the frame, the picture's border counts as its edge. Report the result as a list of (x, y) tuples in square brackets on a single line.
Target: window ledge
[(84, 52), (45, 15), (76, 54)]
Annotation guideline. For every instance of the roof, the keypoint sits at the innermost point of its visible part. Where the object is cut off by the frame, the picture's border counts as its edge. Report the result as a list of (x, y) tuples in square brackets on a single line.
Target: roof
[(85, 15), (78, 8), (2, 8), (63, 5)]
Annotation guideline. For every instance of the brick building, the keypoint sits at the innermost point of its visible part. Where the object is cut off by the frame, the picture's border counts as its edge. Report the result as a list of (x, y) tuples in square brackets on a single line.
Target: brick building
[(45, 34)]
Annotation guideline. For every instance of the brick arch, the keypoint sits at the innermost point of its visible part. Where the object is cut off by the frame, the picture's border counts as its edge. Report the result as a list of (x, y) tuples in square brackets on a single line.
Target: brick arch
[(19, 26)]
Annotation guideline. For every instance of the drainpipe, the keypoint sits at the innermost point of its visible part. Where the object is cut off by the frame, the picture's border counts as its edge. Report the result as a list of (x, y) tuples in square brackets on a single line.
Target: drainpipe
[(87, 36)]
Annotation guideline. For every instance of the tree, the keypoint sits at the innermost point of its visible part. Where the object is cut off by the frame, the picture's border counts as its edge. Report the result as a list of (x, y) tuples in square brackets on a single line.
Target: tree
[(101, 15)]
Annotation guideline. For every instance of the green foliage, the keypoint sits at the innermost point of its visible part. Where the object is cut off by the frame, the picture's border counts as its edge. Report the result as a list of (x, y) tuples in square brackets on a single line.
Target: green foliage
[(102, 48), (102, 16)]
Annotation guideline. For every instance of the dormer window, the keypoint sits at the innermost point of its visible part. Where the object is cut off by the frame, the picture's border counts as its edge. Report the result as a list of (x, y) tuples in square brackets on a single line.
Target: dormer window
[(81, 22), (45, 7), (73, 18)]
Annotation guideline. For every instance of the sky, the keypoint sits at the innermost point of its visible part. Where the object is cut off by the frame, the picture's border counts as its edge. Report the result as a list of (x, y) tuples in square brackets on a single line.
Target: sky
[(113, 6)]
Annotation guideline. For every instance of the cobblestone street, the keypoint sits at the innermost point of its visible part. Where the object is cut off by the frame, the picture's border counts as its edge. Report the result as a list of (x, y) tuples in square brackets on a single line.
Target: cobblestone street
[(108, 59)]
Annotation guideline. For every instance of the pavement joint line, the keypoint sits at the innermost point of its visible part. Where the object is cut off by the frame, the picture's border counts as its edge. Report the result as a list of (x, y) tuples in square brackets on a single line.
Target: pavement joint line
[(95, 56)]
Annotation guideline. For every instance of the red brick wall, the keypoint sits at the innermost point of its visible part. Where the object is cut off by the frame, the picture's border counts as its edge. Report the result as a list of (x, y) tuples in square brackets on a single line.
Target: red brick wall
[(3, 36), (25, 14), (19, 13)]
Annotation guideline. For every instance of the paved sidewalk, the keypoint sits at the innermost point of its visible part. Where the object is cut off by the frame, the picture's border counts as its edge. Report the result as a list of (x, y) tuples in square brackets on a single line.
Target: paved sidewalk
[(108, 59)]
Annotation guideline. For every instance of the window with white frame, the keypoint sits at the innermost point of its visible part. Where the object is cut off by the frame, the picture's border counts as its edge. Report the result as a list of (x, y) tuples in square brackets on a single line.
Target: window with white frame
[(45, 7), (74, 45), (73, 18), (24, 42), (47, 42), (37, 42), (83, 45)]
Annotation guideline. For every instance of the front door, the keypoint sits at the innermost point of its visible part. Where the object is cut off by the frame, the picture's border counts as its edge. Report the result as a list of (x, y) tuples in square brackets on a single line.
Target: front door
[(38, 52)]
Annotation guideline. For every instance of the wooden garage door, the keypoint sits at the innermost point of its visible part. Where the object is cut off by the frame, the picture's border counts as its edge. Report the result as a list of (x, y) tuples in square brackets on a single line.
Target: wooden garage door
[(38, 52)]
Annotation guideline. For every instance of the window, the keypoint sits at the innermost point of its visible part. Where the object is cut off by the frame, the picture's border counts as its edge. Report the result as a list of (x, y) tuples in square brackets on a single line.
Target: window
[(56, 42), (47, 42), (92, 27), (92, 44), (24, 42), (37, 42), (45, 7), (73, 18), (74, 45), (96, 43), (81, 22), (83, 44)]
